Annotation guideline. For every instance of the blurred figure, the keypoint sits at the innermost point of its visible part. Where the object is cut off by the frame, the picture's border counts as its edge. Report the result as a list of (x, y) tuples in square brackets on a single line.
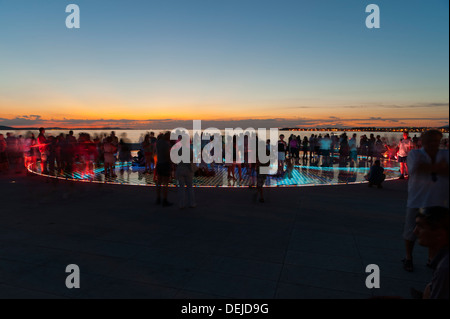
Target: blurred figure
[(344, 150), (432, 228), (325, 150), (115, 143), (363, 145), (415, 141), (312, 142), (370, 148), (12, 151), (290, 161), (378, 148), (109, 150), (184, 175), (4, 166), (282, 148), (148, 148), (353, 150), (404, 147), (305, 148), (70, 150), (293, 147), (51, 154), (428, 185), (43, 150), (261, 177), (124, 154), (376, 175), (29, 152), (60, 148), (163, 168)]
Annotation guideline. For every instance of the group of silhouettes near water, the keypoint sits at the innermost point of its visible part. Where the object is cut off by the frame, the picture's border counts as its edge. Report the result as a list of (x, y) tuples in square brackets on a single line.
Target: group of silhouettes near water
[(426, 221), (88, 155), (64, 153)]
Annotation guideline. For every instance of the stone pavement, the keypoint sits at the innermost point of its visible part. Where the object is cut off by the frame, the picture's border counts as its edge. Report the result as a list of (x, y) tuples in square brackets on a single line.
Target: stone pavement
[(303, 243)]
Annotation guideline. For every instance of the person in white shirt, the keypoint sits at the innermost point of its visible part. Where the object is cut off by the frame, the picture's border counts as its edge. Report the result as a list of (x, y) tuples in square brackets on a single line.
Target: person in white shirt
[(404, 147), (428, 185)]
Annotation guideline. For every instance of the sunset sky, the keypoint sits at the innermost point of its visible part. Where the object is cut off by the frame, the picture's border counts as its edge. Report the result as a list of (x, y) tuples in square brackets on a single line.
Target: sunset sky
[(277, 63)]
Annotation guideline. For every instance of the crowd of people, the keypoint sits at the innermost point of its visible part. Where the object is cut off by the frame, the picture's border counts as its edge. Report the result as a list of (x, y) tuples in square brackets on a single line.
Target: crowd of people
[(62, 152), (66, 153), (424, 161)]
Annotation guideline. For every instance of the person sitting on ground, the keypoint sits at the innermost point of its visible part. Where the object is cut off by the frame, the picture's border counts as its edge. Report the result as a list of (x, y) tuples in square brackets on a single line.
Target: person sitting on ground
[(289, 167), (376, 175)]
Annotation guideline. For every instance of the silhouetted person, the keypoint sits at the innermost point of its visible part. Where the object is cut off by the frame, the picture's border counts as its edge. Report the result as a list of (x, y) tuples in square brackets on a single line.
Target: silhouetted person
[(432, 228), (427, 186), (282, 148), (184, 175), (124, 153), (378, 148), (404, 147), (109, 149), (4, 166), (352, 145), (163, 168), (148, 149), (305, 148), (344, 150), (43, 149), (376, 175)]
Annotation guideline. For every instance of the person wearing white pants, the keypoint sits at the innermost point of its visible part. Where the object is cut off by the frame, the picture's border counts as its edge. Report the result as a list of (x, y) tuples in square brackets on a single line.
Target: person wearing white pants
[(184, 175)]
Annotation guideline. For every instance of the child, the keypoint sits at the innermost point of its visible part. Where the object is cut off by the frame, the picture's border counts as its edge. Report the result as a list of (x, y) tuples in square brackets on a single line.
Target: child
[(289, 167)]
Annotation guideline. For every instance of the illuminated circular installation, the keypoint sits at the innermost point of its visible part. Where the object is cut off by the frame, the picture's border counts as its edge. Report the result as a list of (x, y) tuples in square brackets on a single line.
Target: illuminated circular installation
[(305, 174)]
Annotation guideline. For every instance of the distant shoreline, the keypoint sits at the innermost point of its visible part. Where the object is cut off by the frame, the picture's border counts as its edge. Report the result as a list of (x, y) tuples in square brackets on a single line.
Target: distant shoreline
[(443, 129)]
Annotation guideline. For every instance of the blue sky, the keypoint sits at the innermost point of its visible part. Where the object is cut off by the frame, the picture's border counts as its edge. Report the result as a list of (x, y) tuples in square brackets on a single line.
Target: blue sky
[(308, 62)]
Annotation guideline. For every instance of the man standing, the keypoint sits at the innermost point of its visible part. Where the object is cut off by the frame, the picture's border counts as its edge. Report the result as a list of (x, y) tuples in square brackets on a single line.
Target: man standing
[(282, 148), (43, 149), (353, 150), (428, 185), (404, 147), (163, 168)]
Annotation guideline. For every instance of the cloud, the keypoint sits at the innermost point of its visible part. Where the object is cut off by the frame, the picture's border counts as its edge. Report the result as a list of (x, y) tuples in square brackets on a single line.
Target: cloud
[(383, 119), (301, 107), (22, 120), (396, 106)]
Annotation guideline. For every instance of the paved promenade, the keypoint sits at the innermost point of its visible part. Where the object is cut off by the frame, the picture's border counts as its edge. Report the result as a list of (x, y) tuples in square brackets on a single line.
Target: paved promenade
[(307, 242)]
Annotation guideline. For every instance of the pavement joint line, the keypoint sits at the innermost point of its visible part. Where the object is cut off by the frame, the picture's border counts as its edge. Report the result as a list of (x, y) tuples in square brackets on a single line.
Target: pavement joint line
[(291, 230), (31, 289)]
